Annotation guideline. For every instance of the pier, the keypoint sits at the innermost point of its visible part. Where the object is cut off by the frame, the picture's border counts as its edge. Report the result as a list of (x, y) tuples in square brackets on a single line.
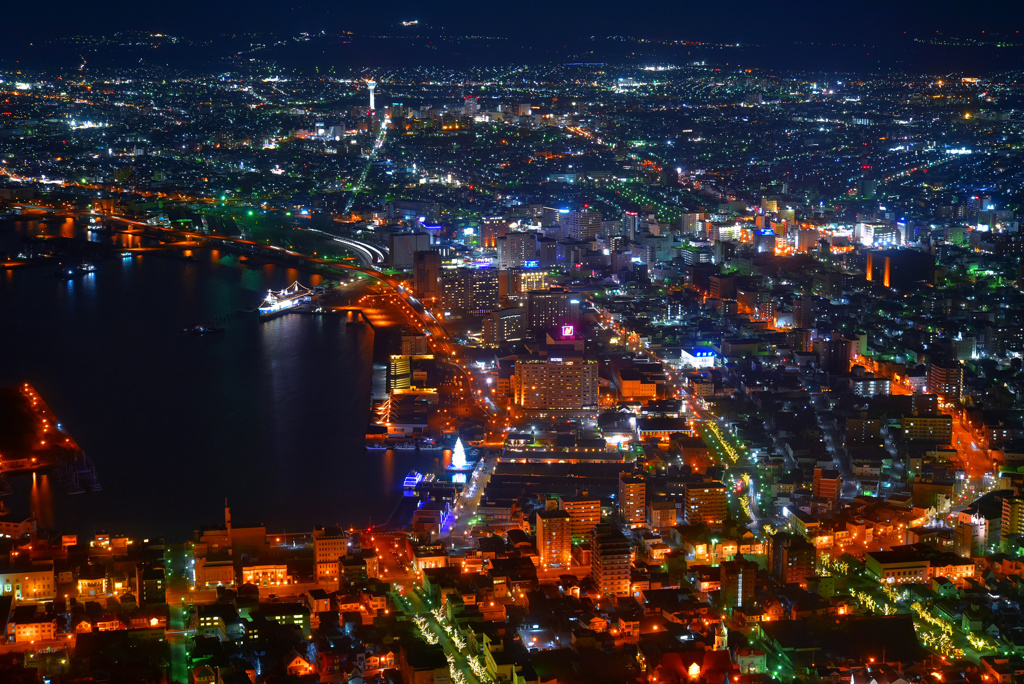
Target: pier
[(50, 447)]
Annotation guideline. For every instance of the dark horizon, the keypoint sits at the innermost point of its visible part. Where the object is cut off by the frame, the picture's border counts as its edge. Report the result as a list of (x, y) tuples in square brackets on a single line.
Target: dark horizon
[(744, 21)]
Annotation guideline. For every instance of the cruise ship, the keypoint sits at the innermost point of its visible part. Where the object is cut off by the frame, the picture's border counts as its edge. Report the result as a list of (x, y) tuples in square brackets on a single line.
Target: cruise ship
[(285, 300)]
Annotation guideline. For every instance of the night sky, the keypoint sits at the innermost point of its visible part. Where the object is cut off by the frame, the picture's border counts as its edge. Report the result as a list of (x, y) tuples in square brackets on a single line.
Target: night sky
[(759, 21)]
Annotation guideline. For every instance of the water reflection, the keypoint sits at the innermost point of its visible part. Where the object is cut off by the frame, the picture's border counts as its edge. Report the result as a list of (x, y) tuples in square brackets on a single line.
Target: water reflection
[(271, 414), (42, 500)]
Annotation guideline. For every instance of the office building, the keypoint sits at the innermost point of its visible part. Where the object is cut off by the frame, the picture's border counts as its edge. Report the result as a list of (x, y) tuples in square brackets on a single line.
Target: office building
[(426, 281), (471, 289), (404, 247), (704, 502), (547, 252), (329, 545), (723, 287), (556, 384), (633, 499), (551, 309), (32, 583), (581, 225), (764, 241), (505, 325), (517, 249), (610, 561), (554, 539)]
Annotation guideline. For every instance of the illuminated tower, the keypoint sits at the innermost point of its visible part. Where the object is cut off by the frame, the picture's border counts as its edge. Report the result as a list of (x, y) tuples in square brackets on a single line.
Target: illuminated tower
[(371, 84), (459, 455)]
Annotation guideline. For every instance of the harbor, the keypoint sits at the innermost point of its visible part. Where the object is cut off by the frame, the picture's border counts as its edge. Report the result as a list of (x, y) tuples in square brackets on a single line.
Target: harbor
[(294, 390)]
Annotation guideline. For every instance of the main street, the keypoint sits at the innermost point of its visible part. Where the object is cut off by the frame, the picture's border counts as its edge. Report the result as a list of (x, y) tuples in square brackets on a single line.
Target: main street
[(409, 600)]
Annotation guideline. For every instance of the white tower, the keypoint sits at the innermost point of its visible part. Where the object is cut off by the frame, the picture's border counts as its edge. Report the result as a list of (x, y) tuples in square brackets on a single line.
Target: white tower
[(371, 84), (459, 455)]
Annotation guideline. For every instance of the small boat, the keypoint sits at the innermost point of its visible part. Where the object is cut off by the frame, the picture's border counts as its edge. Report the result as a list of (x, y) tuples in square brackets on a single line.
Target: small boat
[(203, 329), (376, 446), (406, 445), (85, 267), (429, 445)]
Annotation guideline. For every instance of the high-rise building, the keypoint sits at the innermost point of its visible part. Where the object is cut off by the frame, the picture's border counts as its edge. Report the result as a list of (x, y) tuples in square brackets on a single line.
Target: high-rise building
[(584, 515), (581, 224), (517, 249), (552, 216), (471, 289), (828, 484), (739, 579), (551, 309), (610, 561), (764, 241), (505, 325), (834, 354), (426, 276), (630, 224), (547, 252), (554, 538), (723, 287), (791, 559), (946, 379), (1013, 517), (633, 499), (556, 384), (690, 221), (329, 545), (405, 245), (490, 230), (705, 502)]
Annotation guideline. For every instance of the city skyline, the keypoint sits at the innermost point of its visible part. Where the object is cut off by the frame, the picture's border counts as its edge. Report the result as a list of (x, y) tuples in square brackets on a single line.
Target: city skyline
[(426, 354)]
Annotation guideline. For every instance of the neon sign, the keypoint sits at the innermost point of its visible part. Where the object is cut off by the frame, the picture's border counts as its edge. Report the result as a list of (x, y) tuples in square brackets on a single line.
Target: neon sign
[(568, 331)]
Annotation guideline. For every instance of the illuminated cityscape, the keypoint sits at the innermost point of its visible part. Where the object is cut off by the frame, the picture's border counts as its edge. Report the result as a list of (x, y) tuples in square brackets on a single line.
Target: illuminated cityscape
[(428, 354)]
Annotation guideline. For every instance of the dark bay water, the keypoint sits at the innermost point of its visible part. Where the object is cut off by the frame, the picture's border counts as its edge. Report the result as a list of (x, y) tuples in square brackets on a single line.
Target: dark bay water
[(270, 414)]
